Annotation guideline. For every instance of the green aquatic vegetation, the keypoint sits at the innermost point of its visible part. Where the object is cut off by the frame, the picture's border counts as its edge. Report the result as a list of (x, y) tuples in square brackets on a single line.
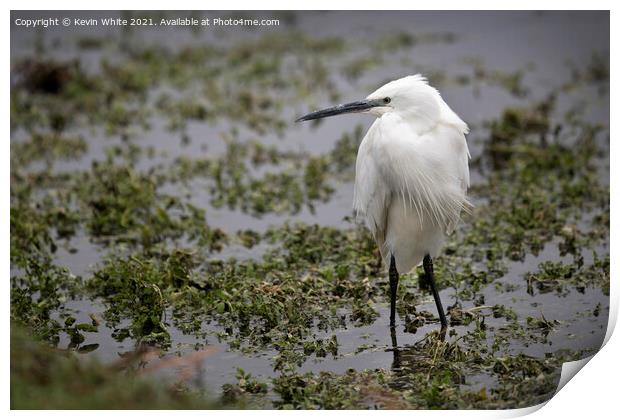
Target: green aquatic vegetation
[(516, 368), (525, 380), (512, 82), (513, 127), (598, 68), (76, 335), (30, 237), (361, 390), (388, 45), (352, 250), (501, 311), (541, 323), (596, 72), (413, 323), (119, 200), (276, 301), (396, 40), (58, 95), (458, 316), (327, 390), (245, 154), (258, 62), (536, 190), (38, 292), (39, 219), (429, 374), (363, 313), (315, 177), (271, 310), (433, 352), (299, 181), (355, 68), (294, 351), (47, 147), (51, 93), (180, 112), (90, 43), (128, 77), (342, 156), (277, 45), (233, 186), (246, 386), (557, 276), (433, 373), (248, 237), (123, 205), (322, 347), (393, 41), (131, 289)]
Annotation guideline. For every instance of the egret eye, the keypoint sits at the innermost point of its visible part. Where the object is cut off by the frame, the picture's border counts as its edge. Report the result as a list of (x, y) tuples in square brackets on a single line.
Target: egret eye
[(387, 100)]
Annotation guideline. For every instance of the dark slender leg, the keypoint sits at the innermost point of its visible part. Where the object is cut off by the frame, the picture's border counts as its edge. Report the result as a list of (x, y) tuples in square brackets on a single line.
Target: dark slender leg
[(393, 290), (428, 270), (396, 359)]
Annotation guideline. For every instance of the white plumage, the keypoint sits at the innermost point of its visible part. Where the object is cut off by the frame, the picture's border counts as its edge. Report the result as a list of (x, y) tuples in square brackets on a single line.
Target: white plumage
[(412, 172)]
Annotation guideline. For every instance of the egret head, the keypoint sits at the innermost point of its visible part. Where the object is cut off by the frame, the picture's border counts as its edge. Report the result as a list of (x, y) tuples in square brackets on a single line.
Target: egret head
[(410, 96)]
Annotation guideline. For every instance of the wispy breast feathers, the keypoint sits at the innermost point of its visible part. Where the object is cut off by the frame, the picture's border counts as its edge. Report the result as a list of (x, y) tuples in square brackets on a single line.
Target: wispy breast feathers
[(435, 198), (429, 173)]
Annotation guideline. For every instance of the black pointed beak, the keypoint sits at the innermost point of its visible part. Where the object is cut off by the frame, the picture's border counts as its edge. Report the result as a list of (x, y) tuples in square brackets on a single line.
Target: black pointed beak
[(358, 106)]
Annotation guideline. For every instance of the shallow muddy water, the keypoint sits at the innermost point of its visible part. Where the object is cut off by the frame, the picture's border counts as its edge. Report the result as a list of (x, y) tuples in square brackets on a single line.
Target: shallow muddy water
[(542, 48)]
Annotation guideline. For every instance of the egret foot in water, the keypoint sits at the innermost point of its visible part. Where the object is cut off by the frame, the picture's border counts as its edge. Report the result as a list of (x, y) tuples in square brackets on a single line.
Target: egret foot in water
[(430, 275)]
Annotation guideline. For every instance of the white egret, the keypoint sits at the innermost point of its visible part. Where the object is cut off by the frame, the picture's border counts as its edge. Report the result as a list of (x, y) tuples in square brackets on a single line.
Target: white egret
[(411, 175)]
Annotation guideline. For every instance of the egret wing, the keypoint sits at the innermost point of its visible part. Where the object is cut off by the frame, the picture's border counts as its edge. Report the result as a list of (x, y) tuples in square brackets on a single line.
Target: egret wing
[(371, 196)]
